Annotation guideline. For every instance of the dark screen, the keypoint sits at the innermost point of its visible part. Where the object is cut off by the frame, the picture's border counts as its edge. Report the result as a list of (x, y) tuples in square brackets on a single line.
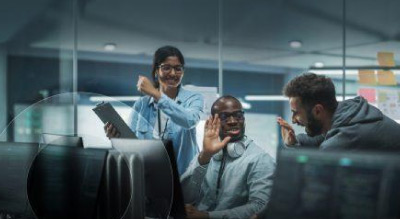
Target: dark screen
[(15, 161), (315, 184), (64, 182), (177, 207)]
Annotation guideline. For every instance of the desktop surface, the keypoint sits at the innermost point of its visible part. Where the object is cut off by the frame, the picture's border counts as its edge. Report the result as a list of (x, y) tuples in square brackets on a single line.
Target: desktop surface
[(61, 140)]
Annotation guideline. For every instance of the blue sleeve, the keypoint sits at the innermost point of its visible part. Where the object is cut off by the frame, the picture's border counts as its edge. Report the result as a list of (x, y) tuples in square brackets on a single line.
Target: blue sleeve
[(134, 114), (186, 117)]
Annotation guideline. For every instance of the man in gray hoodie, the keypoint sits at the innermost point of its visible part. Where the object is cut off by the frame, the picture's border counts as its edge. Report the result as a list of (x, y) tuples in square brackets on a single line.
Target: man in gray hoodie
[(349, 125)]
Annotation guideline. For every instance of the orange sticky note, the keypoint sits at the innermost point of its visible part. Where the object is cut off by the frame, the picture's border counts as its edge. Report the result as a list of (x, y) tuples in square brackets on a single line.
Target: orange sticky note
[(386, 59), (386, 78), (367, 77)]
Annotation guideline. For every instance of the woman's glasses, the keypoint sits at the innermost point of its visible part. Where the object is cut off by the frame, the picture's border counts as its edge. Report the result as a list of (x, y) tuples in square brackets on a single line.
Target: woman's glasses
[(166, 68)]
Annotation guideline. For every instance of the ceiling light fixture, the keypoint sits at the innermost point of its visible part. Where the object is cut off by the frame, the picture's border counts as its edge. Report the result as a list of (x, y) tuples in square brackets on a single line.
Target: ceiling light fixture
[(319, 64), (110, 46), (245, 104), (334, 72), (114, 98), (281, 97), (295, 44), (265, 98)]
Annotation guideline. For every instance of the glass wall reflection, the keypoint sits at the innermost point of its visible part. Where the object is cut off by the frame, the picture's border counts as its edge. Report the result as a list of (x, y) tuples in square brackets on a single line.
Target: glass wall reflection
[(269, 42), (117, 40), (263, 45), (36, 44), (373, 53)]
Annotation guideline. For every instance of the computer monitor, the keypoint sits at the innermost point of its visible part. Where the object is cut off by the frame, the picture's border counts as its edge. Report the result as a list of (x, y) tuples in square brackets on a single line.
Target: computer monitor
[(157, 172), (64, 181), (178, 205), (15, 161), (61, 140), (320, 184)]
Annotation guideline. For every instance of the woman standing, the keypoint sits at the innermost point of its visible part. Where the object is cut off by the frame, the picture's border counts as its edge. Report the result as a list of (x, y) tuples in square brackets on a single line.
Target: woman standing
[(168, 111)]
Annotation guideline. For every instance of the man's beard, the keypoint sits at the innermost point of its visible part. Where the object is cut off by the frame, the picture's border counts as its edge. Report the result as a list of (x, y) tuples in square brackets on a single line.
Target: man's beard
[(314, 126), (233, 138), (238, 137)]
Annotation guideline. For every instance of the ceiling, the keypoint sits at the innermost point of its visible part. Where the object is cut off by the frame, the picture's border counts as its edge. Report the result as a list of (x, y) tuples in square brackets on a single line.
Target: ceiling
[(252, 32)]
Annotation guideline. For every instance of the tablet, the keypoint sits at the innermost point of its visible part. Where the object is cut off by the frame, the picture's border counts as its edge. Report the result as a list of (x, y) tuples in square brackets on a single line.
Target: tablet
[(107, 113)]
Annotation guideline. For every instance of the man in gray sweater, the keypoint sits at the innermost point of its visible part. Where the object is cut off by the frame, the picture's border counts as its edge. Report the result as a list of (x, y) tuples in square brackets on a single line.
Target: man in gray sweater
[(232, 175), (349, 125)]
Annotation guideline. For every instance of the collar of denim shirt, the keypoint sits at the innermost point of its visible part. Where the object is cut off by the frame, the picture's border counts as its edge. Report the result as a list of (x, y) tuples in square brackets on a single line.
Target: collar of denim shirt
[(182, 96)]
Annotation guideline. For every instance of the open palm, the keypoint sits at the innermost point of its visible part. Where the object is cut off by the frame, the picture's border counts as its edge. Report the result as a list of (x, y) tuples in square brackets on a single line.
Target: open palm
[(287, 132), (211, 142)]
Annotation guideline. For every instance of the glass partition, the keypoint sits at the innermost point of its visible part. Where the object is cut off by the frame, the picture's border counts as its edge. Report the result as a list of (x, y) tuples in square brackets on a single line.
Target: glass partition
[(36, 47), (373, 53), (266, 43)]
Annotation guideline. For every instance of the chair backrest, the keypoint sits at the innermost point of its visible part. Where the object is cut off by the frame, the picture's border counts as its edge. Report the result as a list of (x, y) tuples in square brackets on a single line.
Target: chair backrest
[(122, 189)]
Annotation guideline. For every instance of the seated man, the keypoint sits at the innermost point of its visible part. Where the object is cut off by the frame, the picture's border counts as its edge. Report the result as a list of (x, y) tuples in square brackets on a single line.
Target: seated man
[(350, 125), (231, 178)]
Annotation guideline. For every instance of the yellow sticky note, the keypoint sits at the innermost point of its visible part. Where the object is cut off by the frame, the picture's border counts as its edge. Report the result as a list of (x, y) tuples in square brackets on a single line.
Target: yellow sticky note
[(382, 96), (386, 59), (367, 77), (386, 78)]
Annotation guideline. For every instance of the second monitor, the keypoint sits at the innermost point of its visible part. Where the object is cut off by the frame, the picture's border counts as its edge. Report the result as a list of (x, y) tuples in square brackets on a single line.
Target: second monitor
[(319, 184)]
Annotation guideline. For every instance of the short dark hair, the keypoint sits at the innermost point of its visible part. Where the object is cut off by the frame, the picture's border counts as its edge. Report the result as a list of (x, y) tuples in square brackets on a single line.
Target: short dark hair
[(213, 111), (312, 89), (161, 55)]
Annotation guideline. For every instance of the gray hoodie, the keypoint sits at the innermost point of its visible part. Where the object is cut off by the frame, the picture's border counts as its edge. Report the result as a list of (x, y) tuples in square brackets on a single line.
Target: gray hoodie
[(357, 125)]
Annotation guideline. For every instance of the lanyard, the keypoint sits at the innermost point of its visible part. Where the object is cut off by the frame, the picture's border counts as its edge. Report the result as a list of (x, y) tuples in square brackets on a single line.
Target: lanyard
[(159, 125), (221, 170), (166, 122)]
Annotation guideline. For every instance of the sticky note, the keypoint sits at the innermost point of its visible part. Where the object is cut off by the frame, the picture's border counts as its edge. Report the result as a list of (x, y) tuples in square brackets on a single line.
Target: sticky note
[(382, 96), (368, 93), (398, 94), (386, 59), (386, 78), (366, 77)]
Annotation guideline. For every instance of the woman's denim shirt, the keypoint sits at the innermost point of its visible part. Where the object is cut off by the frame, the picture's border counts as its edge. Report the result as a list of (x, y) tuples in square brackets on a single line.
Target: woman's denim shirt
[(183, 115)]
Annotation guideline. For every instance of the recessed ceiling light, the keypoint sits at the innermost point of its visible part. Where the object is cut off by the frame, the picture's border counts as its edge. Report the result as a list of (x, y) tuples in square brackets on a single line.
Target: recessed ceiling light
[(245, 104), (110, 46), (319, 64), (295, 44)]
